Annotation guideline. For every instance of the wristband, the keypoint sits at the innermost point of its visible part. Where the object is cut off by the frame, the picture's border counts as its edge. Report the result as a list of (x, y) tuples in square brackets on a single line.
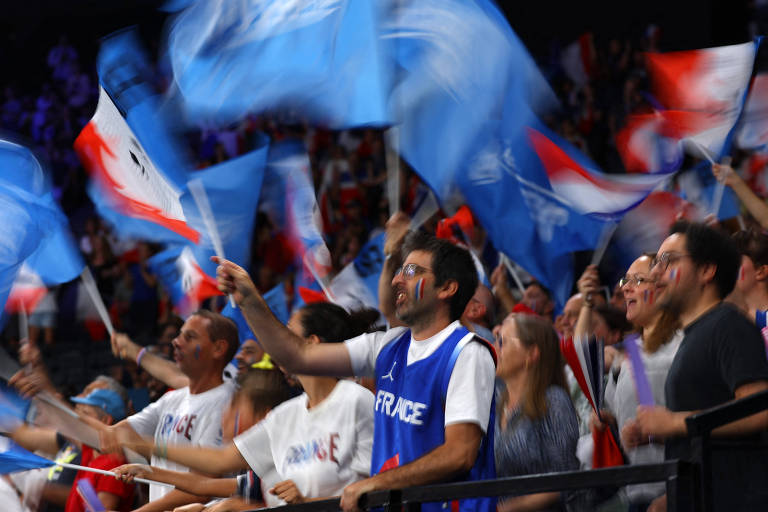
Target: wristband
[(140, 355)]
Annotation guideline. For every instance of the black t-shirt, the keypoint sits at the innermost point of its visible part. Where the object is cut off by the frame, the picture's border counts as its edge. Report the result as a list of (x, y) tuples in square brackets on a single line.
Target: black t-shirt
[(721, 351)]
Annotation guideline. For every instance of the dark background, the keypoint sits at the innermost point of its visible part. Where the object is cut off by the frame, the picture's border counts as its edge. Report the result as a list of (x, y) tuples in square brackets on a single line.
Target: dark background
[(28, 29)]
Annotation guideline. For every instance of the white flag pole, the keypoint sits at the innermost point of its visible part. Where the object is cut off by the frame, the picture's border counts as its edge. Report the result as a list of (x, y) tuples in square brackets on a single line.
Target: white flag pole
[(93, 291), (197, 190)]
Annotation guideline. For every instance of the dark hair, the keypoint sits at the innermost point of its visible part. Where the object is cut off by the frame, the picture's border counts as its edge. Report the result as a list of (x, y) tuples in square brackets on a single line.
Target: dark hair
[(266, 389), (449, 263), (222, 328), (710, 246), (331, 323), (615, 318), (752, 244), (535, 330), (541, 287)]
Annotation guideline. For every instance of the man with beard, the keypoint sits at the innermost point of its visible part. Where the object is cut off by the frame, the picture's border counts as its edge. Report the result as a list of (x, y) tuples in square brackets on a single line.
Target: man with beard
[(433, 408), (721, 358)]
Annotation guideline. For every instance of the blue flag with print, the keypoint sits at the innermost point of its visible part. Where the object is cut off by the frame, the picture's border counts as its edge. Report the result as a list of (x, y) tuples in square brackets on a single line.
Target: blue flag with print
[(320, 59), (15, 458)]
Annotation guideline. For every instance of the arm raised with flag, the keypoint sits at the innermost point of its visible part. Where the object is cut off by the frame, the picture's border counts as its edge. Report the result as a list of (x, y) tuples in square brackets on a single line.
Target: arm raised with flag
[(285, 347)]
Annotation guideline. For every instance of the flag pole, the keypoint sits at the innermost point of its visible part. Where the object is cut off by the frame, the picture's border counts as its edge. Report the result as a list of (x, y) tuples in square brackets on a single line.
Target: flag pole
[(93, 291), (78, 467), (602, 244), (428, 208), (515, 277), (197, 190)]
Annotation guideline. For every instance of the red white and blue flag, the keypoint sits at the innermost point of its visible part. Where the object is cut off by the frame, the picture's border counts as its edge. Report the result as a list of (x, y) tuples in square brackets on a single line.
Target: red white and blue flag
[(707, 88)]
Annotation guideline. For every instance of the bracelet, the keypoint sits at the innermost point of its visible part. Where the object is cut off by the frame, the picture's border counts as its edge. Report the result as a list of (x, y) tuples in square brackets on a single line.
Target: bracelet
[(140, 355)]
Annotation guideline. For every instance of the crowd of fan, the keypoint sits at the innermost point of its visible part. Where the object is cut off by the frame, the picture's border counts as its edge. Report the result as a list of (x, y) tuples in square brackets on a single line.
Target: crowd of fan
[(543, 420)]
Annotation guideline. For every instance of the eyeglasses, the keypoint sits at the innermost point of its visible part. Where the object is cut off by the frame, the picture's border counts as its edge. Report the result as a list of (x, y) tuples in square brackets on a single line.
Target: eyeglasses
[(410, 270), (635, 280), (663, 260)]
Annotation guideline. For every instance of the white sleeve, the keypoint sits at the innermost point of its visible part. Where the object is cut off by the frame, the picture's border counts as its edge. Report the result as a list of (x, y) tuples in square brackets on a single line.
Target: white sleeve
[(364, 349), (361, 463), (255, 447), (470, 390), (145, 421)]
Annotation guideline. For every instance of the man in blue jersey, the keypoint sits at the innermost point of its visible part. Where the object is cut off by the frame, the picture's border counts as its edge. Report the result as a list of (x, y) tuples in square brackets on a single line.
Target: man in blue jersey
[(434, 378)]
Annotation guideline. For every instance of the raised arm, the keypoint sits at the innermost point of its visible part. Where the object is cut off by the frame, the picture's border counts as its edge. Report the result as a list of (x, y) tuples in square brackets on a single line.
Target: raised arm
[(589, 286), (162, 369), (397, 228), (756, 206), (285, 347)]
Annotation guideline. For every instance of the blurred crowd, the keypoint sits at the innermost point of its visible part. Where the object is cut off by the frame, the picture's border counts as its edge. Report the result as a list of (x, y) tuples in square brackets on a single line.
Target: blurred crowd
[(548, 425)]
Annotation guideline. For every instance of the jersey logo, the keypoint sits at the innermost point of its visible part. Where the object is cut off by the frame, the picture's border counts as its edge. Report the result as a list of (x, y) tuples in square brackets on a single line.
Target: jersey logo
[(389, 375)]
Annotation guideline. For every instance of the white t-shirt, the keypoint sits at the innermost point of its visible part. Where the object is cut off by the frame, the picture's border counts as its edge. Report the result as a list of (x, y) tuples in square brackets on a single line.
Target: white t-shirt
[(470, 389), (322, 449), (179, 417)]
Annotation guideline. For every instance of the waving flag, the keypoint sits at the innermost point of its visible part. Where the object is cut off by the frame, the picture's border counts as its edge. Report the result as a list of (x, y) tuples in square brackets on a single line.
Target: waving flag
[(15, 458), (462, 64), (183, 278), (645, 145), (752, 132), (357, 285), (293, 206), (27, 291), (707, 88), (644, 228), (578, 59), (29, 217), (699, 186), (319, 58), (589, 191), (128, 184), (277, 302)]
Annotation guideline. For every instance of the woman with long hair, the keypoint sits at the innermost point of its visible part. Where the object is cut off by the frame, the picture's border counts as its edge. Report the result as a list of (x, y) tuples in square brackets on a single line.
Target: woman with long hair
[(537, 428)]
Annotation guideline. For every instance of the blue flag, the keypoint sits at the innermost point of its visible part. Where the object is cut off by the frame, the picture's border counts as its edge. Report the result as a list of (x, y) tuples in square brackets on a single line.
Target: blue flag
[(30, 219), (320, 59), (289, 197), (276, 301), (15, 458)]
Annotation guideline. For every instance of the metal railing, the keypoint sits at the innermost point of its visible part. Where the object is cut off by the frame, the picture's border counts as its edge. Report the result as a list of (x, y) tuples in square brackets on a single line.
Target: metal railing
[(688, 482)]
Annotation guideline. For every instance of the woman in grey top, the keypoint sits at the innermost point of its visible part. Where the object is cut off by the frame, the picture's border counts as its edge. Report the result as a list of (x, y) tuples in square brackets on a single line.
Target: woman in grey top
[(661, 338), (537, 428)]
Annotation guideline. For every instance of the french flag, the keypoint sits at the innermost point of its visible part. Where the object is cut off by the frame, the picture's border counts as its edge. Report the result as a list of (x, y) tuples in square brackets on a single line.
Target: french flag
[(184, 279), (752, 132), (126, 176), (578, 59), (645, 144), (708, 86), (646, 226), (574, 179), (27, 291)]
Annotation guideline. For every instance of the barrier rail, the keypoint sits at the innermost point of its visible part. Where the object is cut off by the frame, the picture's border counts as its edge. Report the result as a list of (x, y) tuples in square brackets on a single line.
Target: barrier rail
[(688, 482)]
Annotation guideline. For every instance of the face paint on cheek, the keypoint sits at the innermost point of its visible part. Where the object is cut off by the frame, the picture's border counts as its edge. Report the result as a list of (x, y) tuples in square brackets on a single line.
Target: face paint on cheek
[(533, 304), (674, 275), (646, 295), (419, 291), (197, 352)]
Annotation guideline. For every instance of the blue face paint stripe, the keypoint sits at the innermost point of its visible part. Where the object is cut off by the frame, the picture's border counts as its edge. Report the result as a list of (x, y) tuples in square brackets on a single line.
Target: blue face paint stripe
[(197, 352)]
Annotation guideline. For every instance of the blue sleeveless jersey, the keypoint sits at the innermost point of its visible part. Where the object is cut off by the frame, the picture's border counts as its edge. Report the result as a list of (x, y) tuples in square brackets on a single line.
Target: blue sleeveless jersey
[(409, 413)]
